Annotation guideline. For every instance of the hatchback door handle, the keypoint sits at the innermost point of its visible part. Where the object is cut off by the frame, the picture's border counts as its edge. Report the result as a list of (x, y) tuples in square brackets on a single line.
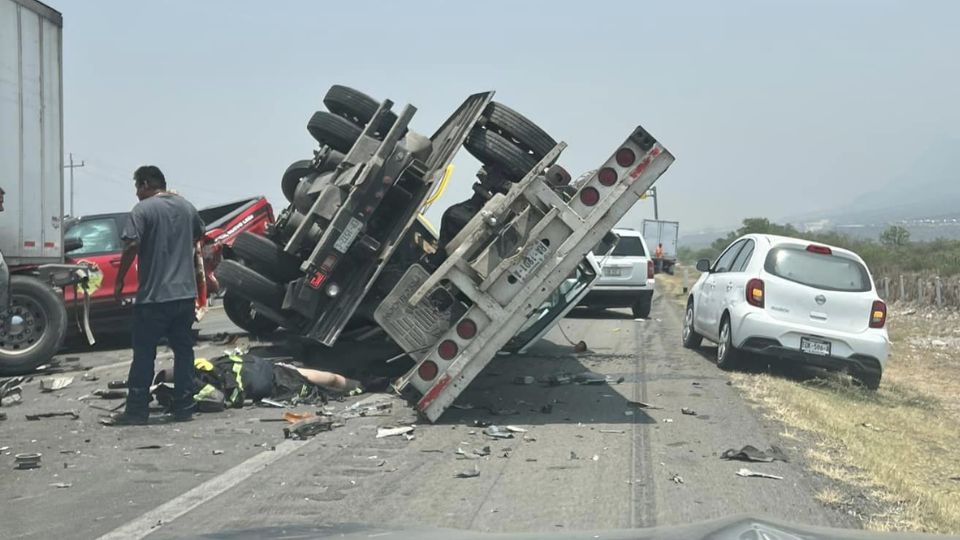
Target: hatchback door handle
[(114, 262)]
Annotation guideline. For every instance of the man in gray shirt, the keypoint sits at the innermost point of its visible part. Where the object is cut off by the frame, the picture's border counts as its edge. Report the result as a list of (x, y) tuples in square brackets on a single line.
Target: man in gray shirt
[(162, 230)]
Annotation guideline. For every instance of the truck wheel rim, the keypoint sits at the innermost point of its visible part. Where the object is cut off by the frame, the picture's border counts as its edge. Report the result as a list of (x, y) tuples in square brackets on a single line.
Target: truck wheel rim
[(687, 323), (20, 339), (722, 346)]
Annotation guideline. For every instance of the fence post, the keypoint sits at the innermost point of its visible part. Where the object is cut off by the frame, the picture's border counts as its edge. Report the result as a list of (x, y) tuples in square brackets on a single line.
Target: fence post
[(939, 291), (903, 290), (886, 288), (919, 291), (685, 280)]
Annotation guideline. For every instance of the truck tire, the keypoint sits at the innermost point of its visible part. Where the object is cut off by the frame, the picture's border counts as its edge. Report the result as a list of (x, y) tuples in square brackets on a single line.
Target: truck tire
[(356, 106), (41, 327), (496, 151), (334, 131), (240, 311), (292, 176), (247, 283), (264, 256), (517, 127)]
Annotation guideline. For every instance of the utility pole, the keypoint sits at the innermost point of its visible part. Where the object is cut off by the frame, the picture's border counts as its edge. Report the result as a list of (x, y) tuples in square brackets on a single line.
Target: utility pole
[(71, 166), (656, 211)]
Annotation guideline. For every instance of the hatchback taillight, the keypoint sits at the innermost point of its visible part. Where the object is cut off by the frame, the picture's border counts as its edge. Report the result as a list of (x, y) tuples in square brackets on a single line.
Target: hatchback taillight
[(755, 292), (878, 314), (649, 269)]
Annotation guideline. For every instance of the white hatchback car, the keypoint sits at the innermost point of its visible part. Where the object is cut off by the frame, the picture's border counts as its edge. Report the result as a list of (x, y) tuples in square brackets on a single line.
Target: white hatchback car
[(785, 297)]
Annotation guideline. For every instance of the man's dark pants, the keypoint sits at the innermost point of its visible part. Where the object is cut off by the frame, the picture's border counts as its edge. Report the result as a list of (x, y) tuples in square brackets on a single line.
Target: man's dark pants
[(152, 322)]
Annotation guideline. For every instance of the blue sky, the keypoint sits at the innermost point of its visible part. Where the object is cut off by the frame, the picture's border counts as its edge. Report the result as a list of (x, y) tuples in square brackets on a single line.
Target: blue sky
[(771, 108)]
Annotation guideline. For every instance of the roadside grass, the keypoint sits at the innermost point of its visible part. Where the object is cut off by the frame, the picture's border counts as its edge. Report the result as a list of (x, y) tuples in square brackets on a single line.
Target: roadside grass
[(899, 446)]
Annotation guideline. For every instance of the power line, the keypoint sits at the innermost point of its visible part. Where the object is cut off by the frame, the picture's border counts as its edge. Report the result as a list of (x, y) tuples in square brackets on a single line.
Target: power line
[(71, 166)]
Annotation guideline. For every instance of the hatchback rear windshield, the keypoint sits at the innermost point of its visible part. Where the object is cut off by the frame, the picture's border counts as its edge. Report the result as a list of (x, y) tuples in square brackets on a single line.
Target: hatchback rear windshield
[(629, 246), (828, 272)]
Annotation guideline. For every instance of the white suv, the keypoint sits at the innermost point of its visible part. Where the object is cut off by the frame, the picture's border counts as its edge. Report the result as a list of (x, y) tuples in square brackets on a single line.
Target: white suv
[(786, 297), (626, 278)]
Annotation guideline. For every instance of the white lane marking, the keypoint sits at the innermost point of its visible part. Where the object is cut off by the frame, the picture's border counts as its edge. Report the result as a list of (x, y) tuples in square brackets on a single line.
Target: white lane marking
[(171, 510)]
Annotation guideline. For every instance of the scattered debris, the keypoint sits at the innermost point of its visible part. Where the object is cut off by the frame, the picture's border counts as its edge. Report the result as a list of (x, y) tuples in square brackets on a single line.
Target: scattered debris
[(621, 379), (469, 473), (218, 452), (497, 432), (573, 455), (27, 461), (546, 409), (677, 479), (696, 383), (409, 436), (580, 347), (515, 429), (73, 414), (754, 474), (466, 455), (938, 343), (294, 417), (642, 405), (115, 385), (589, 377), (668, 420), (149, 447), (612, 431), (527, 379), (502, 412), (481, 423), (308, 427), (868, 425), (559, 379), (267, 402), (689, 412), (11, 393), (751, 453), (110, 394), (485, 451), (463, 407), (61, 484), (389, 432), (51, 384), (531, 460), (89, 377), (596, 457)]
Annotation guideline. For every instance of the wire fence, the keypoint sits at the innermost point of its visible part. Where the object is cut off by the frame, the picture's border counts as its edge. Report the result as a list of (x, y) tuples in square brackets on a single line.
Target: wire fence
[(920, 289)]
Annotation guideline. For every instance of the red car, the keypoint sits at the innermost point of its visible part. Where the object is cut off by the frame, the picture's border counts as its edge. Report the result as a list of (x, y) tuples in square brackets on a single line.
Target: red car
[(101, 247)]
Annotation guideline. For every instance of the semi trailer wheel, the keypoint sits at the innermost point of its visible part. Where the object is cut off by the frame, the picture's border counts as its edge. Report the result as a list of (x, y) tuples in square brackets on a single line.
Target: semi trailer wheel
[(33, 326), (335, 131), (266, 257), (241, 312), (247, 283), (356, 106), (496, 151), (519, 129)]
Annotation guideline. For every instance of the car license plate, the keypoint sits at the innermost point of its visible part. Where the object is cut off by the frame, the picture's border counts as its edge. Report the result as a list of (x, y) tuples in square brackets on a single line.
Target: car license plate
[(614, 272), (348, 235), (815, 346), (531, 261)]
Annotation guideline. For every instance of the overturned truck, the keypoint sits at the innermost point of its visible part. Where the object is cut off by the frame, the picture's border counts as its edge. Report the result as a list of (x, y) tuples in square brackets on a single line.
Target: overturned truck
[(507, 263)]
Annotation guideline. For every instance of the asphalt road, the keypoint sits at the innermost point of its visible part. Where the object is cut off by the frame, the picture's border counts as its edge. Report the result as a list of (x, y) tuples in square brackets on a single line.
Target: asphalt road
[(594, 461)]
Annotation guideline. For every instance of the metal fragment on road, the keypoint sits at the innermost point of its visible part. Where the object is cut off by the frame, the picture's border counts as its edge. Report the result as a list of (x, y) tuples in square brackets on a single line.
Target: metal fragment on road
[(110, 394), (667, 420), (497, 432), (61, 485), (527, 379), (573, 455), (612, 431), (217, 452), (596, 457), (28, 460), (72, 414), (467, 455), (469, 473), (751, 453), (390, 432), (271, 403), (753, 474), (51, 384), (677, 479), (688, 412), (515, 429)]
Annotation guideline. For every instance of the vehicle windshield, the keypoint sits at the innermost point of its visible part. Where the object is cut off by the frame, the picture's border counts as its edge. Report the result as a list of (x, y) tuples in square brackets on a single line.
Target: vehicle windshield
[(629, 246), (821, 271)]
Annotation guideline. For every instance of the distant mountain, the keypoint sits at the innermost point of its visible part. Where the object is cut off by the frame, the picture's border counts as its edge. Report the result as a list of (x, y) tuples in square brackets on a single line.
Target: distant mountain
[(928, 193)]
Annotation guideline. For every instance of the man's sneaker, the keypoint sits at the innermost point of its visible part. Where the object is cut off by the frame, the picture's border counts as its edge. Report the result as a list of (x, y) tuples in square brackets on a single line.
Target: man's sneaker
[(124, 419)]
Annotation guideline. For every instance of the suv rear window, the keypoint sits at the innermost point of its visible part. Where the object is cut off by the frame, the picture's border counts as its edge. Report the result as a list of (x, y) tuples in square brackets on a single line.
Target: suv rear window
[(827, 272), (629, 246)]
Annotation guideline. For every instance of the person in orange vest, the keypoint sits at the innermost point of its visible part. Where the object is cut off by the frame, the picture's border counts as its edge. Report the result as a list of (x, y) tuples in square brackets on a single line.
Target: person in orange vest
[(658, 257)]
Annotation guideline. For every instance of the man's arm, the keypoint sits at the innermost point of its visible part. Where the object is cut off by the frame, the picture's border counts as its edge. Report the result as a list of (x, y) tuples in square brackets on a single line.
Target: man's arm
[(130, 250)]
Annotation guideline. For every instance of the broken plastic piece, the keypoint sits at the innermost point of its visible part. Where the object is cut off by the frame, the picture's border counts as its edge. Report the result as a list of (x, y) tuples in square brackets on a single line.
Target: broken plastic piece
[(110, 394), (61, 484), (689, 412), (754, 474), (271, 403), (308, 427), (389, 432), (515, 429), (527, 379), (589, 377), (559, 379), (27, 461), (469, 473), (51, 384), (217, 452), (677, 479), (497, 432), (750, 453)]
